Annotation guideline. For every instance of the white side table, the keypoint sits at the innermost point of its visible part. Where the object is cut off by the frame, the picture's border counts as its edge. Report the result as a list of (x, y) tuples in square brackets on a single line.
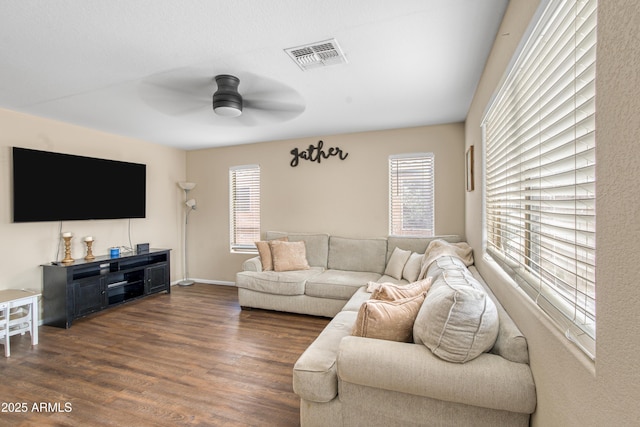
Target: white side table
[(18, 314)]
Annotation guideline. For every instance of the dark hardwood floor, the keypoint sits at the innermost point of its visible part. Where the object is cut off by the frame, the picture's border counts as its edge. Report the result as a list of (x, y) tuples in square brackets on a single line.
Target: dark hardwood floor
[(189, 358)]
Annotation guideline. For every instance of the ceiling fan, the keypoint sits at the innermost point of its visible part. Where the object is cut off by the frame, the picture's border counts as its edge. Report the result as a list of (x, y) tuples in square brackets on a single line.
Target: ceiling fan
[(190, 93)]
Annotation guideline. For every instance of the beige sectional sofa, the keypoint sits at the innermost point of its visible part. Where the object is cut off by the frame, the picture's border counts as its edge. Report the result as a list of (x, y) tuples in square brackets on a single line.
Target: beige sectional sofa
[(346, 380), (338, 267)]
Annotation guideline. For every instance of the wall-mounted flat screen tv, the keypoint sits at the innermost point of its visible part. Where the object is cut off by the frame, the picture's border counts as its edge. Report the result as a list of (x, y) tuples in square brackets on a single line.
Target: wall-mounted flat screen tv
[(51, 186)]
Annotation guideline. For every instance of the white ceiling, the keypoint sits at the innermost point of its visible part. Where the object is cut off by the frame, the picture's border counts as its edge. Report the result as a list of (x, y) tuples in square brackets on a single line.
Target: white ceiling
[(145, 68)]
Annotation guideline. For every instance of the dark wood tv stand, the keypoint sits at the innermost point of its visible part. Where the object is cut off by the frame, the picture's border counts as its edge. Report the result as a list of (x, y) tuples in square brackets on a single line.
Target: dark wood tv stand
[(71, 291)]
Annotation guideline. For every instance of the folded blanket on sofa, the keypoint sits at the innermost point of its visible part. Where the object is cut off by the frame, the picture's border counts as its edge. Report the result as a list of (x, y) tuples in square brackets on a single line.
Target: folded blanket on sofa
[(439, 248)]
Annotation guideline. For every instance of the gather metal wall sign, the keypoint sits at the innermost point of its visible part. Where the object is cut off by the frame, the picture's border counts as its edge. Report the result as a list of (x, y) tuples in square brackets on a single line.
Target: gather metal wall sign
[(315, 153)]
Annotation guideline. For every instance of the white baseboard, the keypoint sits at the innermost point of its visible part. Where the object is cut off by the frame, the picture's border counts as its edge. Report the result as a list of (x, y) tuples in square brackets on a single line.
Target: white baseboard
[(207, 282), (214, 282)]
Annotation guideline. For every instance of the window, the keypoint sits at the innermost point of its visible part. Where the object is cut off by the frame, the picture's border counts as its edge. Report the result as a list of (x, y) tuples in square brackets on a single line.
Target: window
[(540, 169), (244, 183), (411, 194)]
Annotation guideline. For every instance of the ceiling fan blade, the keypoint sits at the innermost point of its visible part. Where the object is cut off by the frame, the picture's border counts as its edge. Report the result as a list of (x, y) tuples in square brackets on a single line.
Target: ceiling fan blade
[(177, 92), (260, 117), (267, 112), (273, 105)]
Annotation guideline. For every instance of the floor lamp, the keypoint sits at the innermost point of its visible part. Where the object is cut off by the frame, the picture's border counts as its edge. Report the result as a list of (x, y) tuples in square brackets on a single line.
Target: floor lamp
[(191, 206)]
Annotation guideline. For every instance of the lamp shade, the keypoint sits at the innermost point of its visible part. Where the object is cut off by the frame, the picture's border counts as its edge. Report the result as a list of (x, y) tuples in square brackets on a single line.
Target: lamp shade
[(187, 185)]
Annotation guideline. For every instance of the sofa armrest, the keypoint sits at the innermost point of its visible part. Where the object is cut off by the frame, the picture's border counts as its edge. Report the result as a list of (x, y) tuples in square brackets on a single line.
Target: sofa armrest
[(252, 264), (488, 381)]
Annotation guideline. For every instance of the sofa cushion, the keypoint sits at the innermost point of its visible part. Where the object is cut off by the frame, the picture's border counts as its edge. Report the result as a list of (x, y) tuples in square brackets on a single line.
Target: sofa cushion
[(357, 254), (439, 248), (489, 381), (511, 343), (279, 283), (396, 263), (392, 292), (288, 256), (314, 374), (458, 320), (445, 263), (338, 284), (388, 320), (388, 279), (357, 299), (317, 245)]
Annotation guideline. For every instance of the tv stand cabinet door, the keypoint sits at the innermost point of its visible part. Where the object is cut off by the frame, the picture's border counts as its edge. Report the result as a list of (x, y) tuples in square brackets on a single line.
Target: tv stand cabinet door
[(157, 279), (89, 296)]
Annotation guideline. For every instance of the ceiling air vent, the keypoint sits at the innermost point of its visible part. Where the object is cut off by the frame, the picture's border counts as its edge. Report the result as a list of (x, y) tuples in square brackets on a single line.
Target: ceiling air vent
[(314, 55)]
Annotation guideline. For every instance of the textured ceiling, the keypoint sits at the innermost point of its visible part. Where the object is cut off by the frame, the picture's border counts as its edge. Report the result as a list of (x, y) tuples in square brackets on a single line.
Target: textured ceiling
[(145, 68)]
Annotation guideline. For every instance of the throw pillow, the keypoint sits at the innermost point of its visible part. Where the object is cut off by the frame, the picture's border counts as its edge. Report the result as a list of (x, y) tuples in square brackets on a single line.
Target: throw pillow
[(392, 292), (288, 256), (412, 267), (457, 321), (396, 263), (372, 286), (388, 320), (264, 251)]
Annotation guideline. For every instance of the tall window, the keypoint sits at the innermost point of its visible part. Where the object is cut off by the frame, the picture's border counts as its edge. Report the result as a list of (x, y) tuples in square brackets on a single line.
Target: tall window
[(411, 192), (244, 190), (540, 169)]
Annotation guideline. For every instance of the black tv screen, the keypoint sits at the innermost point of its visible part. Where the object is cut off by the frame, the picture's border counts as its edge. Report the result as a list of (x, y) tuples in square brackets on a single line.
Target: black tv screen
[(62, 187)]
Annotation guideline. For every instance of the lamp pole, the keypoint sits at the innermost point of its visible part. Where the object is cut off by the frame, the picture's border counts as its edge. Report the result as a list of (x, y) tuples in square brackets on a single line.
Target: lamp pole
[(191, 205)]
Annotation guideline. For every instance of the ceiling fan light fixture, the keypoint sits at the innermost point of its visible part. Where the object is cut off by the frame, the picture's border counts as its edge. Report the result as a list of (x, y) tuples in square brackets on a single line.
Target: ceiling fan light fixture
[(227, 102), (227, 111)]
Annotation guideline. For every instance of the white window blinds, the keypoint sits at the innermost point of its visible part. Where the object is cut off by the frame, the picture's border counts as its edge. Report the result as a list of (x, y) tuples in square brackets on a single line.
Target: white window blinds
[(540, 169), (244, 183), (411, 194)]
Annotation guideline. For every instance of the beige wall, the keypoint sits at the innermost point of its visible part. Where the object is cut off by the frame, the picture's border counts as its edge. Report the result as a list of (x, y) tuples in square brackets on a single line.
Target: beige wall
[(572, 390), (25, 246), (347, 198)]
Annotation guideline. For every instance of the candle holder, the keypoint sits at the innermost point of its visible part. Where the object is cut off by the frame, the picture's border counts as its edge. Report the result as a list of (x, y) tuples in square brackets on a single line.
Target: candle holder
[(90, 255), (67, 250)]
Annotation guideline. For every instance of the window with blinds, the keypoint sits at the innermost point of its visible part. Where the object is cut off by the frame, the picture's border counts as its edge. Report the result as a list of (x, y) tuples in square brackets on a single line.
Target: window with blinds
[(540, 189), (244, 191), (411, 194)]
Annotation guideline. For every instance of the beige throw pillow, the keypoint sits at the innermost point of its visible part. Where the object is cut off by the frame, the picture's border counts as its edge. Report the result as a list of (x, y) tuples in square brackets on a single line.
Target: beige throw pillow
[(288, 256), (396, 263), (388, 320), (264, 251), (392, 292)]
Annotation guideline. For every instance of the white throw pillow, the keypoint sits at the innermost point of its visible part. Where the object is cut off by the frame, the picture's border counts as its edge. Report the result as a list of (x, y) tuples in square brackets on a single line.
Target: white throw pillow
[(458, 321), (412, 267), (396, 263)]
